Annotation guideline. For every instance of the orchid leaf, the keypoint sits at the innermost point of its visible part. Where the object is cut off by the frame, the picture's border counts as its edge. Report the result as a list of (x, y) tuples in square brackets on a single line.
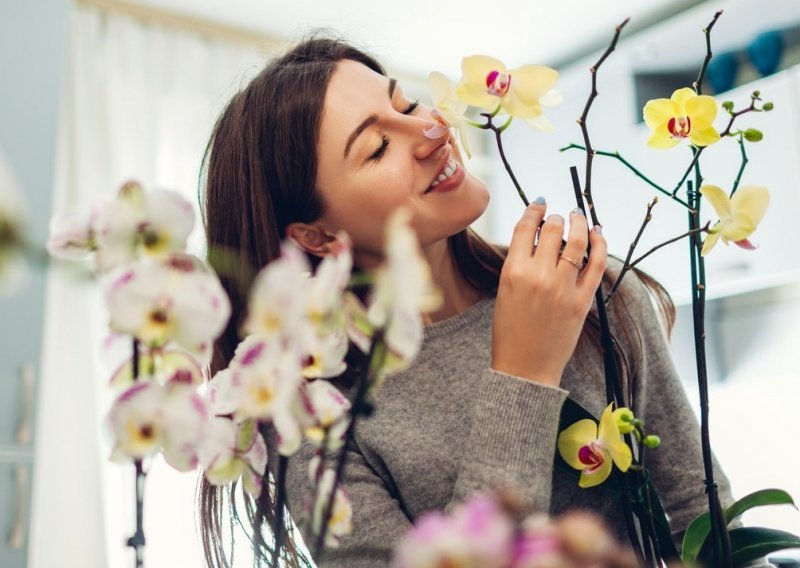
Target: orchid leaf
[(697, 533), (751, 543)]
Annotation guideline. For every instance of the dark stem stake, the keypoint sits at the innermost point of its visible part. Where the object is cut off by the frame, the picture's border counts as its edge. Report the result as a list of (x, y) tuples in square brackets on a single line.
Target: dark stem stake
[(719, 532), (137, 540), (377, 354), (587, 192), (280, 500)]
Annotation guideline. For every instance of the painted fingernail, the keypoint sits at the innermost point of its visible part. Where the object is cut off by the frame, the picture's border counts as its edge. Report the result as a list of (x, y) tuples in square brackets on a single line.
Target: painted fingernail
[(539, 200), (578, 211), (598, 229), (555, 217)]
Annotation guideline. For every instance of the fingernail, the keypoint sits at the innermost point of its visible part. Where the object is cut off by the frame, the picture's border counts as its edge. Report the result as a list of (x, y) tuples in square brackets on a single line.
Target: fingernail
[(555, 217), (578, 211), (539, 200), (598, 229)]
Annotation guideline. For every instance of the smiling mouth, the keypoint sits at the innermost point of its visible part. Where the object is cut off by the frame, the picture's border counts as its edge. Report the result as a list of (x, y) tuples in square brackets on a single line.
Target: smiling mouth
[(449, 170)]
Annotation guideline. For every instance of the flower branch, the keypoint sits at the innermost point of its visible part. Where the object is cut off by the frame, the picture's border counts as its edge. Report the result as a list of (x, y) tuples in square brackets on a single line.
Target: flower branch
[(698, 84), (498, 132)]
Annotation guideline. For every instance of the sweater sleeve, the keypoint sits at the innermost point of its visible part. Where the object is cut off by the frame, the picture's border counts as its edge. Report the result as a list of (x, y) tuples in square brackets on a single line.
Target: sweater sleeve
[(511, 443)]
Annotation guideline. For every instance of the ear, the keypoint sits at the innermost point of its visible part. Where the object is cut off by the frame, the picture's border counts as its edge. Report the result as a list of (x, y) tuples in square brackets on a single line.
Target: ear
[(311, 238)]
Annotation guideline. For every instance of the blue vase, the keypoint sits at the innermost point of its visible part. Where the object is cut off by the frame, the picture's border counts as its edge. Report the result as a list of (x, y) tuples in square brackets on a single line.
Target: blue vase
[(765, 52), (721, 71)]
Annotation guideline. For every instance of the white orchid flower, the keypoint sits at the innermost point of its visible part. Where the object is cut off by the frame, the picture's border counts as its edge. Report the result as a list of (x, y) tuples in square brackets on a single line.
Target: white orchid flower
[(232, 450), (174, 299), (324, 414), (340, 523), (324, 353), (326, 287), (141, 223), (148, 418)]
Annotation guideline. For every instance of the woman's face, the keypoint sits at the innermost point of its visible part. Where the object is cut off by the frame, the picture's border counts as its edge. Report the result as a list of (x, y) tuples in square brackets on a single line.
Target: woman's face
[(373, 158)]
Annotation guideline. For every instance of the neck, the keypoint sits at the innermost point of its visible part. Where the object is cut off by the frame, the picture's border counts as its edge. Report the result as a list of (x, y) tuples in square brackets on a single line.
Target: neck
[(457, 294)]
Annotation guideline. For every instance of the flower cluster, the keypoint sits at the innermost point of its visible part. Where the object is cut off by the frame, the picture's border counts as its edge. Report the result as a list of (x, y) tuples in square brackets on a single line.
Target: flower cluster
[(488, 85), (491, 531)]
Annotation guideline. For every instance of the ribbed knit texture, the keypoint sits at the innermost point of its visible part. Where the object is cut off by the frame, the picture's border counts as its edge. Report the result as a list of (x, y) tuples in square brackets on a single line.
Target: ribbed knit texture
[(449, 426)]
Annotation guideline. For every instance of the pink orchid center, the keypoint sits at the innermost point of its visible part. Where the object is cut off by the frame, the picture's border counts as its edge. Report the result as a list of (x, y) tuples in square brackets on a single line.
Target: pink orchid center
[(680, 126), (498, 83), (592, 456)]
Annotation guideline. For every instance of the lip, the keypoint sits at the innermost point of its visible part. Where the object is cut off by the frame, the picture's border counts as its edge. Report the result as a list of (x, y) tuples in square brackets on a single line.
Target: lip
[(450, 183)]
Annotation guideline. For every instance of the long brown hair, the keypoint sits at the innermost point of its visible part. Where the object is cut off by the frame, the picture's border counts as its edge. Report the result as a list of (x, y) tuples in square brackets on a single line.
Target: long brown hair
[(259, 173)]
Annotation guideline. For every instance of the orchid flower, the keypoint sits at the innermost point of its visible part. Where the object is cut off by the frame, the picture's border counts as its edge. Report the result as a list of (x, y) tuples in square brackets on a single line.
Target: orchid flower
[(340, 523), (478, 533), (449, 111), (520, 93), (141, 223), (174, 299), (72, 234), (232, 450), (323, 303), (325, 353), (279, 294), (323, 412), (685, 115), (148, 418), (738, 215), (403, 289), (592, 449), (171, 366), (262, 382)]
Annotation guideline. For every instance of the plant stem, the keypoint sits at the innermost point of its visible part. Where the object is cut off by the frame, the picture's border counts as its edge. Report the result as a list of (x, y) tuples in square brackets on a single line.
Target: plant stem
[(742, 166), (719, 532), (377, 354), (498, 132), (137, 540), (280, 500), (626, 265), (632, 168), (698, 84)]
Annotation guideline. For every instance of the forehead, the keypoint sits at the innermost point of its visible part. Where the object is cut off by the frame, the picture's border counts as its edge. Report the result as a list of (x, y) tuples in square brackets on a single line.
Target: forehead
[(354, 91)]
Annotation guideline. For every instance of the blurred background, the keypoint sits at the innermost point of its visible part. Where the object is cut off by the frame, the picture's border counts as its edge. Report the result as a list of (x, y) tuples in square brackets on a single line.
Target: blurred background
[(94, 92)]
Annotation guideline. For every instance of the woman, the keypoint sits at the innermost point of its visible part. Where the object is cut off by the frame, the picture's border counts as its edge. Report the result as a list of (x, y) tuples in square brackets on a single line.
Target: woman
[(322, 140)]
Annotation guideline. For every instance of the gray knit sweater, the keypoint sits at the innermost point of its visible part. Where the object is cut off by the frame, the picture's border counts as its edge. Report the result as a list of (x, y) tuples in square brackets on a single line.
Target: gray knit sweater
[(450, 426)]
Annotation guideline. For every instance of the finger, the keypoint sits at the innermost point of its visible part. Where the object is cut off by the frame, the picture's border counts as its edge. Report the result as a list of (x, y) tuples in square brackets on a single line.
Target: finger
[(549, 248), (577, 240), (521, 247), (592, 273)]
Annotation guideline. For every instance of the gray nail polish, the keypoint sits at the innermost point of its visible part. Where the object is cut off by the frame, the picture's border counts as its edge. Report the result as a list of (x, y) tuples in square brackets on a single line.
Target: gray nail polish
[(539, 200), (578, 211)]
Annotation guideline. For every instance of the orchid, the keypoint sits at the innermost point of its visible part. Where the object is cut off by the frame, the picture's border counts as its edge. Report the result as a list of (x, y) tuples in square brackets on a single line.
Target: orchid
[(166, 366), (592, 449), (521, 93), (738, 215), (685, 115), (403, 290), (141, 223), (72, 234), (449, 111), (340, 523), (232, 450), (478, 533), (324, 353), (323, 412), (323, 304), (148, 418), (262, 382), (174, 299)]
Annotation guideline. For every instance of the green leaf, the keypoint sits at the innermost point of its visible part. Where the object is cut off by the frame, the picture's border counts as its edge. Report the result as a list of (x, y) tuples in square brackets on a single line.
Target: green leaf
[(694, 538), (752, 543), (758, 499), (698, 530)]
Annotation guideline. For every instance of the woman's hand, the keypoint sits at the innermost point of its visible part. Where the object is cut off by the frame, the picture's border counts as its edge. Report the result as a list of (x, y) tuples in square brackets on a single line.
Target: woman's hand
[(543, 300)]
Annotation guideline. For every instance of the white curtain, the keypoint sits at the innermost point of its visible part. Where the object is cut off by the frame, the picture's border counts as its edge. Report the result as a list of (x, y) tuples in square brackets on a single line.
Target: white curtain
[(140, 103)]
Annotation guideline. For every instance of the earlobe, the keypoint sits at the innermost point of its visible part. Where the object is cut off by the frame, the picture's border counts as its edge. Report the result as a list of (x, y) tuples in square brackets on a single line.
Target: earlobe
[(311, 238)]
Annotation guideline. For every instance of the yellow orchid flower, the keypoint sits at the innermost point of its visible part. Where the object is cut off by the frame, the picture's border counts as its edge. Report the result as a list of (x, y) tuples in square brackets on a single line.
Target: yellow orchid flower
[(685, 115), (738, 215), (520, 92), (592, 449), (449, 110)]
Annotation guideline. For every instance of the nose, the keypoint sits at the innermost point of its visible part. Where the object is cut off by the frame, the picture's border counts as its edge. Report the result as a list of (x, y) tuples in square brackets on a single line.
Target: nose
[(430, 136)]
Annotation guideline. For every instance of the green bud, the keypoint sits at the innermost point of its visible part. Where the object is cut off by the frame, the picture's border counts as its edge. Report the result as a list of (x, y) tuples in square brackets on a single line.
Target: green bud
[(768, 106), (651, 441), (728, 105), (753, 135), (756, 94)]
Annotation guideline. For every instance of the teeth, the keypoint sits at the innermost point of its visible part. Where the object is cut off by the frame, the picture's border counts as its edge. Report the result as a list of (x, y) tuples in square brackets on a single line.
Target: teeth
[(448, 170)]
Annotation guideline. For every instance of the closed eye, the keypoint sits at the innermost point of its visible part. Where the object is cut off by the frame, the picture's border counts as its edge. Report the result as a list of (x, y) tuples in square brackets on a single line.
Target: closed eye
[(381, 150)]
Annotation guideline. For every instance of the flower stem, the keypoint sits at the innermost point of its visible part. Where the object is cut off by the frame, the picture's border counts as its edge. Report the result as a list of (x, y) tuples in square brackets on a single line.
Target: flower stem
[(377, 354), (280, 500), (742, 166), (632, 168), (137, 540), (698, 84), (499, 139), (719, 532)]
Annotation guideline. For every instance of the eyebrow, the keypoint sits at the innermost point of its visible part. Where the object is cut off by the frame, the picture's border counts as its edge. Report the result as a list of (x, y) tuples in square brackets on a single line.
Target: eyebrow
[(369, 121)]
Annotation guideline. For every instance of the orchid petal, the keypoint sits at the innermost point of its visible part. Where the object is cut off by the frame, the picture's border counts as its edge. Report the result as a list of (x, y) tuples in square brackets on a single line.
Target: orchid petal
[(610, 439), (681, 96), (710, 241), (703, 137), (749, 204), (745, 244), (596, 477), (573, 438), (658, 111), (719, 200), (532, 82), (661, 140), (551, 98), (472, 89), (702, 110), (541, 123)]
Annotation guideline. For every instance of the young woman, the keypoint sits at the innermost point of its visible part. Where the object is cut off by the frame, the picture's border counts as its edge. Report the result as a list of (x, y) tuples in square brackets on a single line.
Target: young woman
[(321, 141)]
